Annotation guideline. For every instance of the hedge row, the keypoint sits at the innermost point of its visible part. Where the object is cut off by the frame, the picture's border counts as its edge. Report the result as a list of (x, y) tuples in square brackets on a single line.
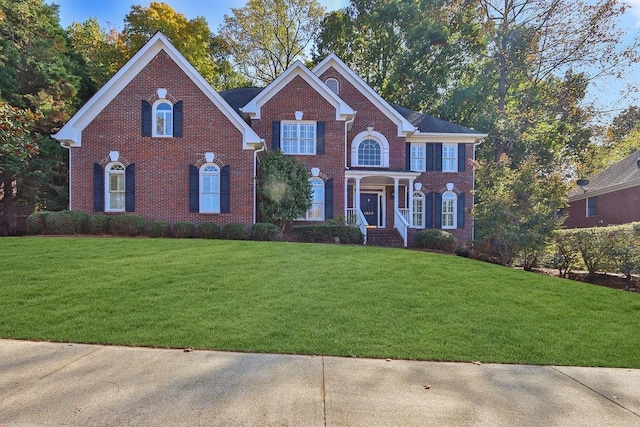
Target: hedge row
[(72, 222), (609, 249), (329, 233)]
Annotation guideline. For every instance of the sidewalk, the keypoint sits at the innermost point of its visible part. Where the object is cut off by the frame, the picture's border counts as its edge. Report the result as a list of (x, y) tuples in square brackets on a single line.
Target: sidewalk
[(53, 384)]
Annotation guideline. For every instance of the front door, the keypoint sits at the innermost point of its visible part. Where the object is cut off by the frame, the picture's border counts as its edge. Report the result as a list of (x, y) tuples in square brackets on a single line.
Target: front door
[(370, 207)]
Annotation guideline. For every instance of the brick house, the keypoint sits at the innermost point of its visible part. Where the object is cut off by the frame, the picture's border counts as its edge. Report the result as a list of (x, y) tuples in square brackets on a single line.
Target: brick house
[(609, 198), (158, 141)]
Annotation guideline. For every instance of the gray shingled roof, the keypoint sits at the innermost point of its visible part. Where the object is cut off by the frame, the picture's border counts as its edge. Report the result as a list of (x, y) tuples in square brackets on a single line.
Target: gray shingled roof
[(426, 123), (625, 171), (239, 97)]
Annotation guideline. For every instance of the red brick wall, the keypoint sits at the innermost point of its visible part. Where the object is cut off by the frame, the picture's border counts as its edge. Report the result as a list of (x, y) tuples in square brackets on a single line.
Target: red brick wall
[(162, 164), (618, 207)]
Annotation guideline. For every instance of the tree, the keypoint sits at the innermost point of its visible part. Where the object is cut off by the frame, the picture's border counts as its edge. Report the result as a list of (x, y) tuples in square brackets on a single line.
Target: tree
[(267, 36), (283, 188)]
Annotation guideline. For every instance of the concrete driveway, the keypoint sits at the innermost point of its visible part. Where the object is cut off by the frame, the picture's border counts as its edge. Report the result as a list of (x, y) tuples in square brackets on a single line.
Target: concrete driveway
[(54, 384)]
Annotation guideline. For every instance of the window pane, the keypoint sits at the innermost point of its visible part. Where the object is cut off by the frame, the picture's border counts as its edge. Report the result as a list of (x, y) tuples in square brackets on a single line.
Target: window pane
[(210, 203), (116, 182), (210, 183), (369, 153), (116, 201), (449, 158)]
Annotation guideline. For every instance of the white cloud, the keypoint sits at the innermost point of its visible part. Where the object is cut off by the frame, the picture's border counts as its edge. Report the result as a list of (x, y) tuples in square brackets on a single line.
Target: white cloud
[(634, 10)]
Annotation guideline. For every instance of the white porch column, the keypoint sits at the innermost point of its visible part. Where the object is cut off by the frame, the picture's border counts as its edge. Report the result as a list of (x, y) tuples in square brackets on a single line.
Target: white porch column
[(396, 188), (357, 194), (410, 203)]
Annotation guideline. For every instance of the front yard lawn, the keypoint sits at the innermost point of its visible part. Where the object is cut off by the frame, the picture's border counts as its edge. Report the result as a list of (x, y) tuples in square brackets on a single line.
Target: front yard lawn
[(308, 299)]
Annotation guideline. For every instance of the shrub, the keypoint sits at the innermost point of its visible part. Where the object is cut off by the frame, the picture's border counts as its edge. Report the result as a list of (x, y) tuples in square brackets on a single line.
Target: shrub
[(184, 229), (463, 252), (159, 229), (235, 231), (435, 239), (37, 222), (99, 224), (328, 232), (265, 231), (208, 230), (67, 222), (127, 225)]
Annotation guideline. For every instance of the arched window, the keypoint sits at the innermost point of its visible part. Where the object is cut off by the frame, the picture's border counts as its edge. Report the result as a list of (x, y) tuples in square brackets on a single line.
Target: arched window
[(163, 119), (316, 212), (333, 84), (449, 200), (418, 209), (209, 188), (115, 184), (369, 153)]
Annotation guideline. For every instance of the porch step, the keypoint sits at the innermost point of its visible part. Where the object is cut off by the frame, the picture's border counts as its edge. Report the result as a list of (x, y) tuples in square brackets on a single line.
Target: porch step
[(384, 237)]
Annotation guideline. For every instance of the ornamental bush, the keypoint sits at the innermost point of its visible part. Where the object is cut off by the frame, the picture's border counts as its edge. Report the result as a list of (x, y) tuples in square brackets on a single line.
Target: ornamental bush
[(159, 229), (208, 230), (184, 229), (265, 231), (67, 222), (435, 239), (99, 224), (235, 231), (37, 222), (127, 225)]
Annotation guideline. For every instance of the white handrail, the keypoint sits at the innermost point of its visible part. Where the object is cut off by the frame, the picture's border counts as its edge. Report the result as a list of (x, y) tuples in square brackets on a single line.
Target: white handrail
[(402, 225), (355, 217)]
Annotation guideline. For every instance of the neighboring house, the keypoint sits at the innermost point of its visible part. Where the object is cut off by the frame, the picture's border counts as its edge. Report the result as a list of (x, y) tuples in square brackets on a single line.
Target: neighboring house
[(159, 141), (611, 197)]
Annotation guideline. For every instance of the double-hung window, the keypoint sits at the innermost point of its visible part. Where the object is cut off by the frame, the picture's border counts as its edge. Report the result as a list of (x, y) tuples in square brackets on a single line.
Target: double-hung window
[(163, 117), (449, 158), (115, 197), (316, 212), (418, 157), (592, 207), (298, 138), (209, 189), (449, 210), (418, 209)]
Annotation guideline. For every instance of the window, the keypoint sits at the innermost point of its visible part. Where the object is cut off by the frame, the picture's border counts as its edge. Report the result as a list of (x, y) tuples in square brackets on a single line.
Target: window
[(333, 84), (298, 138), (592, 207), (418, 209), (115, 183), (449, 210), (369, 153), (316, 212), (163, 119), (449, 158), (209, 189), (417, 158)]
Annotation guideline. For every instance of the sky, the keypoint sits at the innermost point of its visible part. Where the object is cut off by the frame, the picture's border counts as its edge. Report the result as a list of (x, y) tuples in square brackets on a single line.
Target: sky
[(610, 95)]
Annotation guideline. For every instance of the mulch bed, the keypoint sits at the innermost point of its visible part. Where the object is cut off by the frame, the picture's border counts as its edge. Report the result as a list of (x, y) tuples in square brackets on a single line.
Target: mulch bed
[(614, 281)]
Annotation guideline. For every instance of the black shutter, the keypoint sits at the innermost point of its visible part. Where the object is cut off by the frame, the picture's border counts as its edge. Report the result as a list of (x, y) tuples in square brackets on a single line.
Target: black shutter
[(437, 157), (460, 209), (407, 156), (146, 118), (194, 189), (437, 210), (429, 157), (328, 199), (225, 189), (320, 137), (130, 188), (177, 119), (428, 211), (98, 188), (462, 157), (275, 135)]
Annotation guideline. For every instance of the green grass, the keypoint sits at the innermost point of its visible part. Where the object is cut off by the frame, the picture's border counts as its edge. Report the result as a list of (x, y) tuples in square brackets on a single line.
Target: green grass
[(308, 299)]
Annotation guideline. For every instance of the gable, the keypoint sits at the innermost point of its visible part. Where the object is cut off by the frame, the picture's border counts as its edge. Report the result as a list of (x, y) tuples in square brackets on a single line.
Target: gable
[(71, 133), (619, 176)]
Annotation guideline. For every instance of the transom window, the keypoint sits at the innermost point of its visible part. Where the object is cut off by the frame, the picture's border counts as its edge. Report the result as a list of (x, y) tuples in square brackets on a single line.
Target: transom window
[(298, 138), (449, 158), (163, 125), (418, 209), (115, 196), (449, 209), (369, 153), (316, 212), (417, 157), (209, 189)]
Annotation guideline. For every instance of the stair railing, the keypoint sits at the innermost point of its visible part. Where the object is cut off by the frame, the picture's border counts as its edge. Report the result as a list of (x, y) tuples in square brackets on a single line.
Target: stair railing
[(402, 225)]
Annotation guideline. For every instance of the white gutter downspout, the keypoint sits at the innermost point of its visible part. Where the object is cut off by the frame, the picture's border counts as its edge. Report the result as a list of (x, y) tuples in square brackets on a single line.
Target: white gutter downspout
[(255, 176)]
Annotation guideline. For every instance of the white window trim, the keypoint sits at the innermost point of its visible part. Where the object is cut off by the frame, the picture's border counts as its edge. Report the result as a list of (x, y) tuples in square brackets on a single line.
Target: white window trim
[(376, 136), (201, 175), (424, 156), (298, 123), (455, 157), (455, 210), (422, 198), (107, 191), (154, 118), (307, 218)]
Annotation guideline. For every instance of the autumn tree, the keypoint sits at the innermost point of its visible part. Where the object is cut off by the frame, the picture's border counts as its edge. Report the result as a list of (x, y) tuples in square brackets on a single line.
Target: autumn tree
[(267, 36)]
